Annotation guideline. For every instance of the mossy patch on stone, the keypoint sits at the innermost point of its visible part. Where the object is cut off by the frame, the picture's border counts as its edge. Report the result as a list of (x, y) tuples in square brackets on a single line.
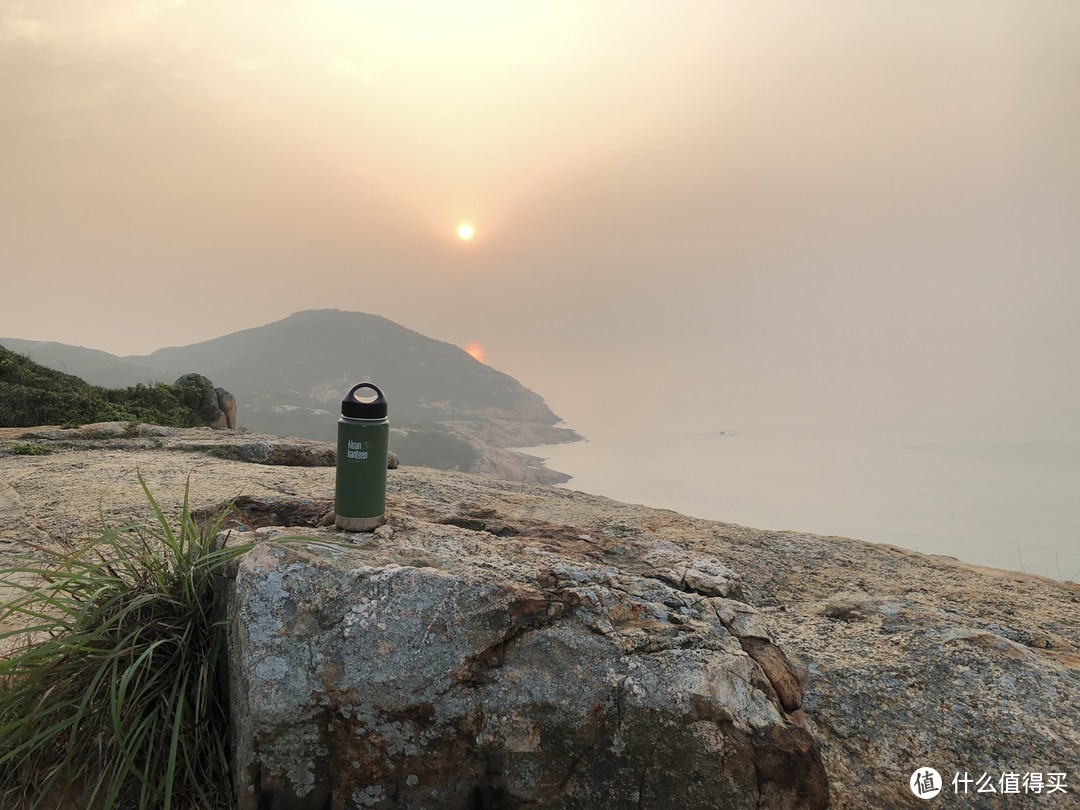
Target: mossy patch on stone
[(23, 449)]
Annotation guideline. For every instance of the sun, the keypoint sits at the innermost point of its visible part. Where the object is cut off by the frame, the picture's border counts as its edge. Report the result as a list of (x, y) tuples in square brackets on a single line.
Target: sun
[(465, 231), (476, 351)]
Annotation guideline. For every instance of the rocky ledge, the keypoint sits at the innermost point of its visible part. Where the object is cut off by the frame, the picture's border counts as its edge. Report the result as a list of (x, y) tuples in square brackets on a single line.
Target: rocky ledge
[(509, 644), (457, 658)]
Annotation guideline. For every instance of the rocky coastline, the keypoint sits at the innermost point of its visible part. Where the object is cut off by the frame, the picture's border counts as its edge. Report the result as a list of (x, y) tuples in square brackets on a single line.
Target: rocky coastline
[(895, 660)]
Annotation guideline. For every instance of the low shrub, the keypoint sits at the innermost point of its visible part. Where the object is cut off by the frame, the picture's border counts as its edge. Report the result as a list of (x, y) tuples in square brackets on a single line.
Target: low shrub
[(112, 691), (31, 394)]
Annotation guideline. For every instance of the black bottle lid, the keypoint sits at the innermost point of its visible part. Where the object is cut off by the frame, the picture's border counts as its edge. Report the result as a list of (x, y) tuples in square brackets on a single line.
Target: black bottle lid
[(357, 405)]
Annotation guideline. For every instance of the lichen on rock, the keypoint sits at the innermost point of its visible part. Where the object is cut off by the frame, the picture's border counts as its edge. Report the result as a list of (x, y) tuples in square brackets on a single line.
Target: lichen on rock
[(895, 659), (444, 665)]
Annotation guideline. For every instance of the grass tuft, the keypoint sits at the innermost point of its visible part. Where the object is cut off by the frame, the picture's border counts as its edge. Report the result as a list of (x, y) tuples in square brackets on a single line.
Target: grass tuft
[(112, 689)]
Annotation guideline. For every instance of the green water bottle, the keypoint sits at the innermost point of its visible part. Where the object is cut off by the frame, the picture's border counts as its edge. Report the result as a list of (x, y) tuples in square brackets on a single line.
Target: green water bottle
[(363, 433)]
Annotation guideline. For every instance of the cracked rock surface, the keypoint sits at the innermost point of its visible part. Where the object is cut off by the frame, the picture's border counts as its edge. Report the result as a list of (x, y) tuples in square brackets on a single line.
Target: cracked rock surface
[(892, 660), (438, 663)]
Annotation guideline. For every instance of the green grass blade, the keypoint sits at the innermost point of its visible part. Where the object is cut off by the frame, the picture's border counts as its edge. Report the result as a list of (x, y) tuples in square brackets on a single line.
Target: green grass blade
[(116, 660), (174, 742)]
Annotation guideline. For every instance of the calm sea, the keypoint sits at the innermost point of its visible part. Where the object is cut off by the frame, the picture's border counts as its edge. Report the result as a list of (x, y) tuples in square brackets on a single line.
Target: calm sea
[(990, 499)]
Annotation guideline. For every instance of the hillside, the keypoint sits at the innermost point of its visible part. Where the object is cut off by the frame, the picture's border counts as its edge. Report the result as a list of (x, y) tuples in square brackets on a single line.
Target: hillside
[(33, 394), (306, 359), (91, 365), (447, 409)]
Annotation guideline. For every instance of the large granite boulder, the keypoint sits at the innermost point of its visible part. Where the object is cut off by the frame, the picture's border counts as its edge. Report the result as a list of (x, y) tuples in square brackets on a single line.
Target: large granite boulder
[(217, 406), (474, 662)]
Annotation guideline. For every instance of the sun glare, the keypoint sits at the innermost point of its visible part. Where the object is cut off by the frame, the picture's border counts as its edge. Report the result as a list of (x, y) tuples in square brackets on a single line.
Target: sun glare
[(465, 231), (476, 351)]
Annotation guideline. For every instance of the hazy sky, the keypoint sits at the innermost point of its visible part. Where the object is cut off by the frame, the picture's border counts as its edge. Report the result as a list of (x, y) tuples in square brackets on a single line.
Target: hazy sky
[(787, 210)]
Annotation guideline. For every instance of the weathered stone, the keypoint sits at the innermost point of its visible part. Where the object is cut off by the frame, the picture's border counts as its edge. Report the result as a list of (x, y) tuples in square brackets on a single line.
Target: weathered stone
[(213, 402), (784, 677), (287, 454), (923, 661), (227, 404), (677, 567), (273, 451), (256, 513), (849, 608), (740, 619), (432, 665)]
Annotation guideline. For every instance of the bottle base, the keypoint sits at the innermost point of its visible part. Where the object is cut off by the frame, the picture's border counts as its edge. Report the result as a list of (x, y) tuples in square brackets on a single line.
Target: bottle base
[(357, 524)]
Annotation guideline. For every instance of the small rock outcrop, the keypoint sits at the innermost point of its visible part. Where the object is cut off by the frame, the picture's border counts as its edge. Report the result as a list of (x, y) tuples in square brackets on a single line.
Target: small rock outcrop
[(474, 662), (227, 405), (218, 406)]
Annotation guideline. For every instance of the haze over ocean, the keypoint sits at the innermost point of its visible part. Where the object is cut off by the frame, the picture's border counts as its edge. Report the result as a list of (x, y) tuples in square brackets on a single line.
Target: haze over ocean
[(988, 498)]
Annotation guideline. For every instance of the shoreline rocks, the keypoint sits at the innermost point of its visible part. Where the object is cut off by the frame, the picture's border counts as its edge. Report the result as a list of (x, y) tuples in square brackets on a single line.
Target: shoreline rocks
[(904, 660)]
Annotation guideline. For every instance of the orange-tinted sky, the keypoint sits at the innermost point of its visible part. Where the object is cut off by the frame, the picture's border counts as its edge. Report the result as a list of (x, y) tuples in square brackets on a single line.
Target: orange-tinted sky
[(772, 205)]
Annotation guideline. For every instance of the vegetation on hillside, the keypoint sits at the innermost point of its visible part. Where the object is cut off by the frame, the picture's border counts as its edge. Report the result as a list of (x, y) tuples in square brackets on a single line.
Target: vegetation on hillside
[(31, 394), (435, 447), (290, 376)]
